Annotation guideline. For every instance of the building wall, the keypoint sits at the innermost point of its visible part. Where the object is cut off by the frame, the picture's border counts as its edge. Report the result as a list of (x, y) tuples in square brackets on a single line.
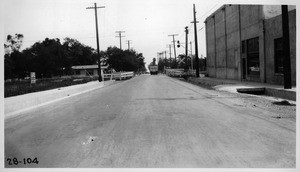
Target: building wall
[(224, 43), (210, 47), (233, 42), (271, 11), (82, 72), (273, 32), (227, 27), (221, 44)]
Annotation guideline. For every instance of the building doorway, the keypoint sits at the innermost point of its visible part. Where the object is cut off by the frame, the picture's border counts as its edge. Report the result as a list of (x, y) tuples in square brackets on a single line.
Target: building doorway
[(252, 49)]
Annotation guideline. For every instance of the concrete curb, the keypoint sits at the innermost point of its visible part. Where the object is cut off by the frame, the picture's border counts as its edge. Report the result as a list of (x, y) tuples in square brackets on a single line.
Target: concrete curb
[(280, 93), (232, 86), (17, 104)]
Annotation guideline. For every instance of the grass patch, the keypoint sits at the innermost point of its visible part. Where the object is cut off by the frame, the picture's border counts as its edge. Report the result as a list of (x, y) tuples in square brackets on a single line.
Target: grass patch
[(15, 88)]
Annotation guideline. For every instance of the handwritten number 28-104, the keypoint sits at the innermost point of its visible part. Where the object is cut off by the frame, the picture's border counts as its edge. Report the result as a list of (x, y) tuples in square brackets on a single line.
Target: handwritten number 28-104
[(15, 161)]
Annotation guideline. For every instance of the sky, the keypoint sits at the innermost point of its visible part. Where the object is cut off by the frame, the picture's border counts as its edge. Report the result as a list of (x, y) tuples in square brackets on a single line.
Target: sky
[(147, 23)]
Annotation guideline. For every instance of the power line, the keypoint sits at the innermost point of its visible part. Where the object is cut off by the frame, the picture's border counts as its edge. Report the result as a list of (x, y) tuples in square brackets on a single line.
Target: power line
[(207, 11), (201, 28)]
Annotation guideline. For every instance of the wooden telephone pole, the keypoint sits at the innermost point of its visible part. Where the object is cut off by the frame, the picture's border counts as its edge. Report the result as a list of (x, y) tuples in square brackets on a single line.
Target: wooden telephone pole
[(98, 48), (173, 35), (120, 36), (186, 48), (128, 42), (196, 42), (286, 48)]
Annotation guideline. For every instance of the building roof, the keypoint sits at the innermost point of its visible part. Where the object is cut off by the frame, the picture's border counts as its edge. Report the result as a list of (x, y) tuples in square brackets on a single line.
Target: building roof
[(269, 11), (216, 11), (89, 67)]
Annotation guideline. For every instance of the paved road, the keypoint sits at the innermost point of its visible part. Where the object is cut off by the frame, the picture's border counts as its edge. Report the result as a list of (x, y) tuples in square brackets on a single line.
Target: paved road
[(151, 121)]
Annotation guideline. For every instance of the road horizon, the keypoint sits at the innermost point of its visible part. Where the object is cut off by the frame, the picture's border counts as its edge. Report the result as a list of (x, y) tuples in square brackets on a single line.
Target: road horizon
[(152, 122)]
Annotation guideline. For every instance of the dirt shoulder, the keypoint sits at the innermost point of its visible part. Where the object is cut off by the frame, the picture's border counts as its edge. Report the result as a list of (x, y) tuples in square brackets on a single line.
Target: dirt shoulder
[(277, 108)]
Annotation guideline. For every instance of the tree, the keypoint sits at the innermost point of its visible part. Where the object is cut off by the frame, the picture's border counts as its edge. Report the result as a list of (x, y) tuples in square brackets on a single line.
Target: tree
[(13, 62), (128, 60), (202, 63), (162, 63), (13, 43), (53, 58), (141, 63), (77, 54), (153, 61)]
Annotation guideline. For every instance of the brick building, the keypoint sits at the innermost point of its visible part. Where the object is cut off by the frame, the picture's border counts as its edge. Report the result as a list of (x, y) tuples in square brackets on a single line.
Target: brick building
[(244, 42)]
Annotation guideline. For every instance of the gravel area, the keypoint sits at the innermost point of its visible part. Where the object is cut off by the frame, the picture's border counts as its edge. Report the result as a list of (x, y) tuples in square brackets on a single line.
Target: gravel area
[(278, 108)]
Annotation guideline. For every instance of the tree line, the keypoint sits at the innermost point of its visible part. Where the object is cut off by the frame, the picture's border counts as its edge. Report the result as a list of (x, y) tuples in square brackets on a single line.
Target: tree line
[(53, 57)]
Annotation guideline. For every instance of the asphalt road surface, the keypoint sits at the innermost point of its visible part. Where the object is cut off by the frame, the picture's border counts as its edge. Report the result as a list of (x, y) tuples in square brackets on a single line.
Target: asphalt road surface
[(150, 121)]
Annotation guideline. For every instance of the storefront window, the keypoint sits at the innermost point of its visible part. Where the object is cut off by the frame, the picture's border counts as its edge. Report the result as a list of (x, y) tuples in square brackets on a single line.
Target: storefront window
[(253, 56)]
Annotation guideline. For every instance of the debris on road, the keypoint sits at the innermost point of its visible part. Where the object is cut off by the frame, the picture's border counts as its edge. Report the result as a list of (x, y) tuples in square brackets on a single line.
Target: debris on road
[(89, 140), (284, 102)]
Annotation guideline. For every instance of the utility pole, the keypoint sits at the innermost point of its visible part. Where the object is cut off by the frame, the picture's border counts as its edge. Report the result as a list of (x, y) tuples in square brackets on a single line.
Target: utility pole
[(120, 36), (97, 37), (165, 59), (191, 55), (173, 35), (128, 42), (191, 47), (170, 52), (186, 48), (286, 47), (196, 42)]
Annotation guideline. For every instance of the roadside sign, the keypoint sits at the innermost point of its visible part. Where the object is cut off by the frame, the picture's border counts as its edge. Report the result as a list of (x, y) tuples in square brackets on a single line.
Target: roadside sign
[(182, 60), (32, 78)]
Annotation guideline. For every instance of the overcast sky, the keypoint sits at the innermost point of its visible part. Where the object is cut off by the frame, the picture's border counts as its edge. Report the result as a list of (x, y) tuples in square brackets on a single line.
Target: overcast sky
[(147, 23)]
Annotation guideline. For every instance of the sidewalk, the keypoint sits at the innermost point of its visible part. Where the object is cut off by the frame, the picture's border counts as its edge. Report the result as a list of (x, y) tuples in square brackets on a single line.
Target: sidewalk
[(233, 85), (17, 104)]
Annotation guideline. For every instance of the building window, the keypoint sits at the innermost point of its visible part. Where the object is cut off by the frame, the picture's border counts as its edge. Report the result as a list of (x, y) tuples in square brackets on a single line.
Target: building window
[(77, 72), (253, 56), (278, 55)]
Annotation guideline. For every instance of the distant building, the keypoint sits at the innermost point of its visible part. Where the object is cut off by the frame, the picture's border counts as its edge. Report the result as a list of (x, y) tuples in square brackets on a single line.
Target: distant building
[(88, 70), (244, 42)]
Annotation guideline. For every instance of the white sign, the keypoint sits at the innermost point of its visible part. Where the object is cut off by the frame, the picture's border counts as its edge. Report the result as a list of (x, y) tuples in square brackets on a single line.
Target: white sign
[(181, 61), (32, 78)]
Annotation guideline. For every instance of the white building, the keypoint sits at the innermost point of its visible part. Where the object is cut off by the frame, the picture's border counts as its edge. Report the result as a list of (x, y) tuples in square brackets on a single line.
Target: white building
[(88, 70)]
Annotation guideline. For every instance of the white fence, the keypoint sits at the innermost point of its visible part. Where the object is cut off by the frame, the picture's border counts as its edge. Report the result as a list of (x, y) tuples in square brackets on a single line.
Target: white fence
[(180, 73), (175, 72), (119, 75), (107, 76)]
